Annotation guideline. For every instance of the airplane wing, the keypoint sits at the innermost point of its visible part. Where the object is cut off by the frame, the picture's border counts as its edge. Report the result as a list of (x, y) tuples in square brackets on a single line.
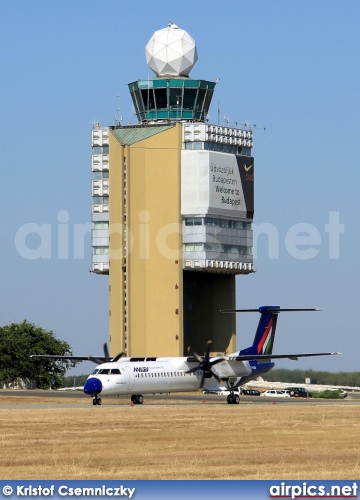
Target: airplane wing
[(98, 359), (71, 358), (265, 357)]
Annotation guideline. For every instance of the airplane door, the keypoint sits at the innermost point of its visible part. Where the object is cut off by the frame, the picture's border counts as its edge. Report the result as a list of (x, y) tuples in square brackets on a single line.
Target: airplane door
[(131, 378)]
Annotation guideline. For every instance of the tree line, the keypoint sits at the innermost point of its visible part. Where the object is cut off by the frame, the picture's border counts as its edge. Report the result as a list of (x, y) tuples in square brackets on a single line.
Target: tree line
[(316, 377)]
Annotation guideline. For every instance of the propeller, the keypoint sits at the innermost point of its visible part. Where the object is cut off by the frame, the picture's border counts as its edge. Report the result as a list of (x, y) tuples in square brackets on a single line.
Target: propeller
[(205, 364), (107, 358)]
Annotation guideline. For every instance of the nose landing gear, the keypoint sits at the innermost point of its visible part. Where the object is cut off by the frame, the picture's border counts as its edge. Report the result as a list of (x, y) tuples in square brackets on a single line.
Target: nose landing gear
[(96, 400)]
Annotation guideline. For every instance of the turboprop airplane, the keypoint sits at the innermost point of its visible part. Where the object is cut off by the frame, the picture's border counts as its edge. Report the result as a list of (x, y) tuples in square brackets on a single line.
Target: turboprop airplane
[(152, 375)]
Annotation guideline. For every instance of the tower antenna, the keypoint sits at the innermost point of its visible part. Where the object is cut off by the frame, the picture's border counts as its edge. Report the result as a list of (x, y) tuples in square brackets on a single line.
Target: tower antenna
[(118, 116)]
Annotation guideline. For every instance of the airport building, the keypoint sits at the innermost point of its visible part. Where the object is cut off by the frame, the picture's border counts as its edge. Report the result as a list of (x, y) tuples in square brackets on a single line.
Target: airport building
[(172, 211)]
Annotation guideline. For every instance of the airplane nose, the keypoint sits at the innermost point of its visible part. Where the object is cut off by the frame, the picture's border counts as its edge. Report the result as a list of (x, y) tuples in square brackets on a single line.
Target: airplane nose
[(92, 386)]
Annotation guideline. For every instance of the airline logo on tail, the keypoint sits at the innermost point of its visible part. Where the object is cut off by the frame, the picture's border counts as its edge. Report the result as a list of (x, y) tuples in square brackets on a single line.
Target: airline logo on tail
[(265, 343)]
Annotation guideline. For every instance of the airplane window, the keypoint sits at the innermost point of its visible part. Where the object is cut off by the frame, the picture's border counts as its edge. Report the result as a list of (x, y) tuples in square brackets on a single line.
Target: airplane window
[(95, 371), (104, 371), (115, 371)]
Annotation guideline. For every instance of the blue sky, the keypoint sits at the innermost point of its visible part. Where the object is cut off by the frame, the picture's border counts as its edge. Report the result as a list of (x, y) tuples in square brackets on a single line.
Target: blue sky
[(290, 67)]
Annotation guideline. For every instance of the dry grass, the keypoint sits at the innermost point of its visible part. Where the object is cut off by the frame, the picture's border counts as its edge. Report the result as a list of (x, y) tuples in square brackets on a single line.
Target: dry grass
[(181, 442)]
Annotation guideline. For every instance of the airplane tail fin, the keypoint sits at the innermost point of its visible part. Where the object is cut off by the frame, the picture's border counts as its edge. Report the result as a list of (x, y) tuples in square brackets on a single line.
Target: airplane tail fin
[(265, 334)]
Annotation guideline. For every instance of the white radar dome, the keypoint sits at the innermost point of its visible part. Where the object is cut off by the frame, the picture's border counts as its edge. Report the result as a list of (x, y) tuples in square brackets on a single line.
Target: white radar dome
[(171, 51)]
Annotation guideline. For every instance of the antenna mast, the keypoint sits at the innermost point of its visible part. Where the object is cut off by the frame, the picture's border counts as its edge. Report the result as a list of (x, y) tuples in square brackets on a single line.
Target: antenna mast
[(118, 116)]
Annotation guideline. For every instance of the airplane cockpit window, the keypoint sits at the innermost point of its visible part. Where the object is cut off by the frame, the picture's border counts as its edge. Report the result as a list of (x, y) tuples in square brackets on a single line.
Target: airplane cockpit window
[(115, 371), (104, 371), (95, 371)]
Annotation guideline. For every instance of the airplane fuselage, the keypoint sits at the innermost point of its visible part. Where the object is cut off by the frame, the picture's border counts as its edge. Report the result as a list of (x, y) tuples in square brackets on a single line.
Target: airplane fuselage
[(161, 375)]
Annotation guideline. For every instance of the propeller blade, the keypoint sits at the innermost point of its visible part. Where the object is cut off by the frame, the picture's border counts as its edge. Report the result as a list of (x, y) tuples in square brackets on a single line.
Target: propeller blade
[(95, 360), (216, 376), (106, 352), (216, 361), (205, 364), (197, 357), (207, 350), (118, 356)]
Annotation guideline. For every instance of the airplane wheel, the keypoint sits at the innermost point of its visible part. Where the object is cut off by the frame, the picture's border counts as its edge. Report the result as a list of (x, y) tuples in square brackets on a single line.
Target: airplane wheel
[(133, 398), (139, 399), (233, 399), (94, 402)]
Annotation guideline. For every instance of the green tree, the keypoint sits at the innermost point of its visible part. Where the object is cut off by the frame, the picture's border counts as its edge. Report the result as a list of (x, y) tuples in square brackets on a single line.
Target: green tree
[(18, 341)]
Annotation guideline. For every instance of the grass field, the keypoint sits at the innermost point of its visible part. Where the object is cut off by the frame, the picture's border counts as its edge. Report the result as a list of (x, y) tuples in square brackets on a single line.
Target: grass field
[(192, 441)]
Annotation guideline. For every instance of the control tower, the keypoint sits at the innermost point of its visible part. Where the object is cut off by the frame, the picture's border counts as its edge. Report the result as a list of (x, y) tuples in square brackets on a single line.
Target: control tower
[(172, 211)]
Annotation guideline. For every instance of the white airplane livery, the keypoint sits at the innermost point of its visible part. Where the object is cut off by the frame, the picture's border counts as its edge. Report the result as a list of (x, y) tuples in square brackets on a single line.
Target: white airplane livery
[(137, 376)]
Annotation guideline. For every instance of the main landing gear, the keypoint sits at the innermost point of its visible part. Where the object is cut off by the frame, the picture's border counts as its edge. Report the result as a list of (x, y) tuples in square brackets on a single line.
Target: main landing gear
[(96, 400), (233, 399), (137, 399)]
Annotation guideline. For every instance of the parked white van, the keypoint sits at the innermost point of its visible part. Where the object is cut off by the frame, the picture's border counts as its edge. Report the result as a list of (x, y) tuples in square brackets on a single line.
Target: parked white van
[(276, 393)]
